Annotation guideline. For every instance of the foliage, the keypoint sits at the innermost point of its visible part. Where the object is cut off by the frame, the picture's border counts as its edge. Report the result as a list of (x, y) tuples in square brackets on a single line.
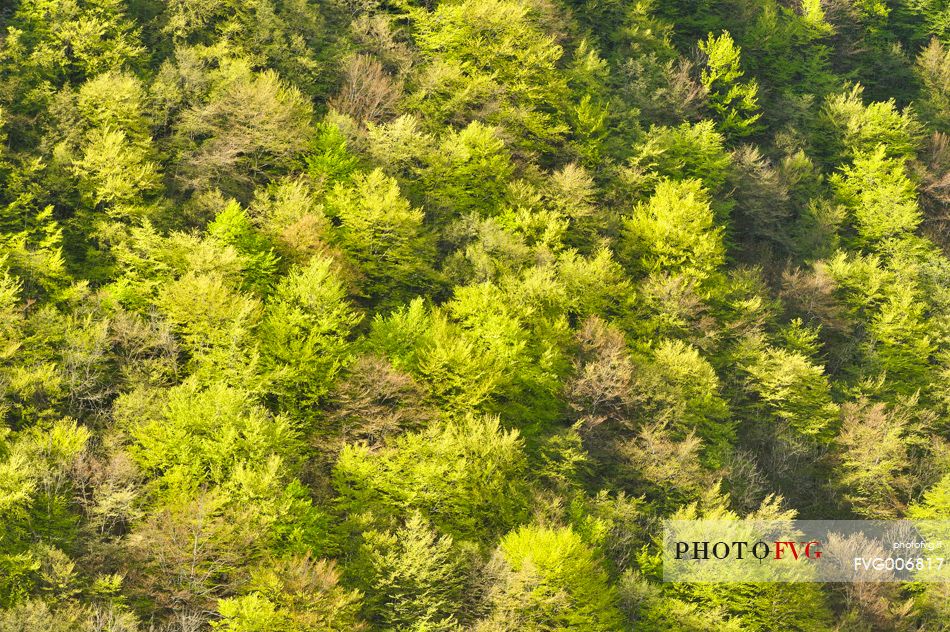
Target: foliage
[(363, 315), (305, 330), (415, 578), (477, 459), (733, 101), (549, 580), (675, 231)]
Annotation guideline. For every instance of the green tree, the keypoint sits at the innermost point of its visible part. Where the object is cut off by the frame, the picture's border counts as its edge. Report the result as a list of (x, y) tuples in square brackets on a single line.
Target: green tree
[(492, 57), (882, 199), (675, 231), (679, 389), (414, 578), (900, 344), (549, 579), (681, 153), (469, 172), (795, 390), (384, 236), (878, 483), (932, 69), (49, 44), (304, 334), (206, 435), (463, 476), (855, 128), (292, 595), (734, 102), (112, 171), (759, 606), (290, 37), (215, 323)]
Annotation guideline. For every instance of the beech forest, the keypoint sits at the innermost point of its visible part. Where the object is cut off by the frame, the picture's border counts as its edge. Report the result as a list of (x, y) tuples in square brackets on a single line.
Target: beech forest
[(425, 315)]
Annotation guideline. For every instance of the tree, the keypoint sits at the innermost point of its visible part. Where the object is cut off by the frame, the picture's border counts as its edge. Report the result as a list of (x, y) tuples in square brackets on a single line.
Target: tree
[(463, 476), (206, 435), (877, 483), (383, 234), (932, 69), (549, 579), (935, 15), (899, 344), (304, 332), (675, 232), (601, 387), (881, 197), (292, 595), (469, 172), (667, 469), (415, 579), (595, 285), (492, 58), (216, 329), (756, 606), (232, 226), (928, 512), (113, 171), (795, 390), (651, 608), (187, 554), (375, 402), (734, 102), (475, 355), (36, 490), (34, 256), (38, 615), (679, 391), (856, 128), (250, 127), (521, 338), (763, 199), (681, 153), (290, 37), (289, 216), (69, 41), (368, 92)]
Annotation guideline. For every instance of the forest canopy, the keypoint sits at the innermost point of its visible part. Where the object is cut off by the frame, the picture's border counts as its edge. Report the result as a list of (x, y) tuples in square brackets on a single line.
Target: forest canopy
[(339, 315)]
